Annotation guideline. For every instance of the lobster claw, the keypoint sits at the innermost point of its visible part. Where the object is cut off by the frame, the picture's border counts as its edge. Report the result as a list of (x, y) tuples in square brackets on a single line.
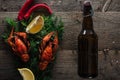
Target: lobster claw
[(45, 40), (21, 34), (9, 40), (19, 44), (47, 49), (46, 57), (43, 65)]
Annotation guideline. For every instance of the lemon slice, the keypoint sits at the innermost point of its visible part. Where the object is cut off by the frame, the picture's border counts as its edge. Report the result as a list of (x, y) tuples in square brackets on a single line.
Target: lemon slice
[(26, 74), (35, 25)]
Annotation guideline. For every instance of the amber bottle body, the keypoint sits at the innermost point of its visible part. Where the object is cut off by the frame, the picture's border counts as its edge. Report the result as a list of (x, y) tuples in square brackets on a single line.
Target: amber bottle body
[(87, 50)]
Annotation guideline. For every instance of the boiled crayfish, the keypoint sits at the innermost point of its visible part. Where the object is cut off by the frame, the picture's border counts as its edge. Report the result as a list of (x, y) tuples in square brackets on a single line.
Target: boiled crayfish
[(19, 43), (47, 49)]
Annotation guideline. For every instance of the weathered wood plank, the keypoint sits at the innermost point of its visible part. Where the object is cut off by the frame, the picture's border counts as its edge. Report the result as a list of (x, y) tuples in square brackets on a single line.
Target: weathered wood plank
[(106, 26), (8, 69), (114, 5), (60, 5), (66, 66)]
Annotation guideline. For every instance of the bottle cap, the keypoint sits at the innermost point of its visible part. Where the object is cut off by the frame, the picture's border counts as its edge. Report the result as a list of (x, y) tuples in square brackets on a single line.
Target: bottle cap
[(87, 11), (87, 3)]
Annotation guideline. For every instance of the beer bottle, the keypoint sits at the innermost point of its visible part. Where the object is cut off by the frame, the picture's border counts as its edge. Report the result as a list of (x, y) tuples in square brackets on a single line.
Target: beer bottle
[(87, 45)]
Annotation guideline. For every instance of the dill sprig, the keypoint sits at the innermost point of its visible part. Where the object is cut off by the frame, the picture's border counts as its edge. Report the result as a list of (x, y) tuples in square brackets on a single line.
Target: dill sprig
[(51, 23)]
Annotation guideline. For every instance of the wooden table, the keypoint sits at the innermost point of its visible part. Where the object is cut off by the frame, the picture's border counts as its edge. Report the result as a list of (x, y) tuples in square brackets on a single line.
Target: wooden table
[(66, 66), (106, 26)]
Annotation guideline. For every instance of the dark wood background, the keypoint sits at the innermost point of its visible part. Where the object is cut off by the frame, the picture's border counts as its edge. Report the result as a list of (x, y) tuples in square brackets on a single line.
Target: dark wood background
[(106, 24), (62, 5)]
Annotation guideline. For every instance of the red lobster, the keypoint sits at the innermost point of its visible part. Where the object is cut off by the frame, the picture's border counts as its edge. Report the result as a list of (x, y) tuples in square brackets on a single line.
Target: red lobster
[(20, 45), (47, 49)]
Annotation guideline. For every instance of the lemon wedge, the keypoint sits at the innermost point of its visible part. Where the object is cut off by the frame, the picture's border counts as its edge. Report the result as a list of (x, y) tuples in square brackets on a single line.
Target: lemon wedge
[(26, 73), (35, 25)]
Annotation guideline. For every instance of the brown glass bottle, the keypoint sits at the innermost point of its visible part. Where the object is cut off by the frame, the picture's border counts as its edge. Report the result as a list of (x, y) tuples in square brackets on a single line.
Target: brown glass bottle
[(87, 46)]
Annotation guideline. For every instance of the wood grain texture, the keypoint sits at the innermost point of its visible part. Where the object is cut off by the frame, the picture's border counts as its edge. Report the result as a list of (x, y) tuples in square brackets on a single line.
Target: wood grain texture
[(66, 66), (8, 69), (106, 25), (60, 5)]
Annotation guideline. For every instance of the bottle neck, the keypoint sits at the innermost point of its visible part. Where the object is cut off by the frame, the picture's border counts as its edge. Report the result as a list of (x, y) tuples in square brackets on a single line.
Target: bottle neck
[(87, 22)]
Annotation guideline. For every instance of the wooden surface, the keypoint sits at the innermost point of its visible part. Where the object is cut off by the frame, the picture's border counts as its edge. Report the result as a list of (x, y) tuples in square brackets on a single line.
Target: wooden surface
[(106, 26), (65, 67), (8, 69), (61, 5)]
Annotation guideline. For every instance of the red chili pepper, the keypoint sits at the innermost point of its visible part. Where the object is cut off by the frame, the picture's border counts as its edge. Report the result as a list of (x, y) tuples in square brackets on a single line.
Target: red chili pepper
[(24, 9), (37, 6)]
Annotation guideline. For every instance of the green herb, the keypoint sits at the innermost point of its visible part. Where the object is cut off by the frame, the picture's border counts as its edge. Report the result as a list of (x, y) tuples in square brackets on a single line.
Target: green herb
[(51, 23), (11, 22)]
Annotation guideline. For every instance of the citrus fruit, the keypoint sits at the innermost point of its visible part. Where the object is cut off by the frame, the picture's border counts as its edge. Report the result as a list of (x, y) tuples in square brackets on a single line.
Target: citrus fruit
[(35, 25), (26, 74)]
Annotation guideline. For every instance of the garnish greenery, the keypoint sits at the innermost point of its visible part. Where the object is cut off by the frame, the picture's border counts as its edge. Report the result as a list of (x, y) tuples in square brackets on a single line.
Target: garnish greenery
[(51, 23)]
